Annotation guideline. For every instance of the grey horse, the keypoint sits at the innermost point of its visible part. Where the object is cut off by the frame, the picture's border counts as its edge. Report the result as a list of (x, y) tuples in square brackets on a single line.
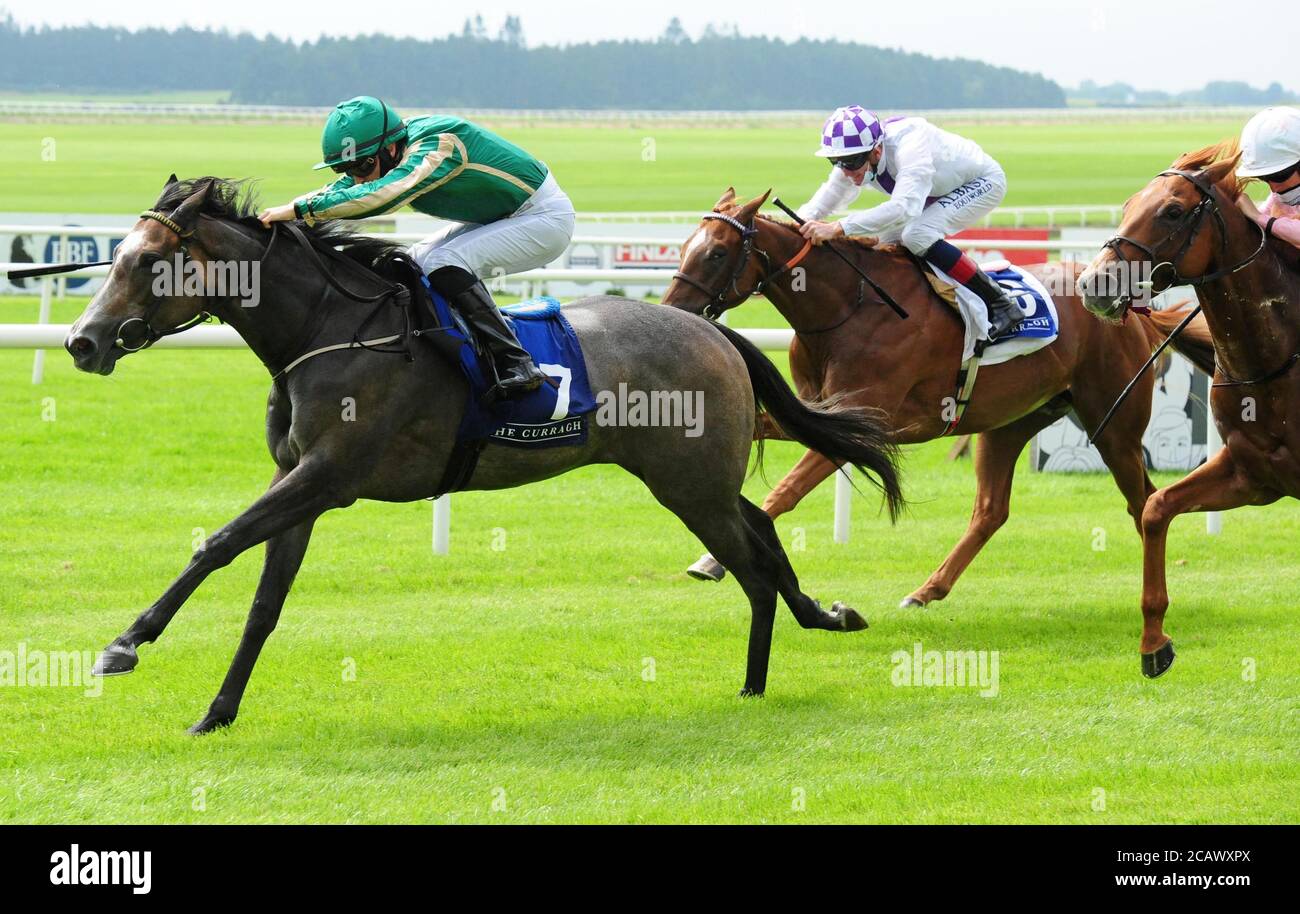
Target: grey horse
[(407, 412)]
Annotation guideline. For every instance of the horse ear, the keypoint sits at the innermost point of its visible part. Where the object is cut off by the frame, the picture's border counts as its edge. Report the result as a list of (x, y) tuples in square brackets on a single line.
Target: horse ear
[(187, 214), (1224, 172), (166, 189), (727, 199), (753, 206)]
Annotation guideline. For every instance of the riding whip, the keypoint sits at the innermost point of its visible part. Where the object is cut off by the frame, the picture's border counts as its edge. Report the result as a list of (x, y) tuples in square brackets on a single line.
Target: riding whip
[(1143, 370), (51, 268), (884, 296)]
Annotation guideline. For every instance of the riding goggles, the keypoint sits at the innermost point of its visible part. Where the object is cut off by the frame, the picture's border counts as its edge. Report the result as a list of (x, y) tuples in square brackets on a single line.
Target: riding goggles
[(357, 168), (851, 163)]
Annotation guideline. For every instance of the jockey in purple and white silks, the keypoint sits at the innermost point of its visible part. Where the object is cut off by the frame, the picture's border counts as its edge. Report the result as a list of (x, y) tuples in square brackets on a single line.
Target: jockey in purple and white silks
[(938, 183)]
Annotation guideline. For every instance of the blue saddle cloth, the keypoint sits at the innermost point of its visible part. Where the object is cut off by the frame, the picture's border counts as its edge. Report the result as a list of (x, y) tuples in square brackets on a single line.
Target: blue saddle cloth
[(551, 416), (1039, 320)]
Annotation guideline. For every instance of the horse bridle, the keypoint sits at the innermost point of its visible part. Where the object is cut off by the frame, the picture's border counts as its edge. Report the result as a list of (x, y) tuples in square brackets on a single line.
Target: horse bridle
[(395, 291), (152, 335), (1194, 218), (718, 300), (1208, 203)]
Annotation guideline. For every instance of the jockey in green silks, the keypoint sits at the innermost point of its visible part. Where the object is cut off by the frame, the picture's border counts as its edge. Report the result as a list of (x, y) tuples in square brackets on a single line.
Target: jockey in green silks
[(510, 215)]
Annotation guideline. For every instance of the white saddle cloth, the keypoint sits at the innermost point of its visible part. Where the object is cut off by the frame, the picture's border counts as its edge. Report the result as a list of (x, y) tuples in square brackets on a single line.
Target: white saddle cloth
[(975, 315)]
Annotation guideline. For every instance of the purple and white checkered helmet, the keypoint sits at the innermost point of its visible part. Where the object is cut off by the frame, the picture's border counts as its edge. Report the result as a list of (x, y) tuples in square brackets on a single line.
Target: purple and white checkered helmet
[(849, 131)]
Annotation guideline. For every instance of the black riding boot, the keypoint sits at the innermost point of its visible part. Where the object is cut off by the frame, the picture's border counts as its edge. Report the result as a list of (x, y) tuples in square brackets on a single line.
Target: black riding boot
[(515, 371), (1004, 313)]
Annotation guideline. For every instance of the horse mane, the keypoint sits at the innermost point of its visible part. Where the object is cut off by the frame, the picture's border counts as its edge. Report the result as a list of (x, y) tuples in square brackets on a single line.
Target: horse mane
[(847, 244), (236, 201), (1221, 151)]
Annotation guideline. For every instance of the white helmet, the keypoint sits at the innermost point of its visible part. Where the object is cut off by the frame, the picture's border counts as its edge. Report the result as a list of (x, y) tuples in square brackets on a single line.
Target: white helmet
[(848, 131), (1270, 143)]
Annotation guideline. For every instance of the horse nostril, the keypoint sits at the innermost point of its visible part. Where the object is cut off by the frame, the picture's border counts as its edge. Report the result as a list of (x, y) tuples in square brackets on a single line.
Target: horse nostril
[(80, 346)]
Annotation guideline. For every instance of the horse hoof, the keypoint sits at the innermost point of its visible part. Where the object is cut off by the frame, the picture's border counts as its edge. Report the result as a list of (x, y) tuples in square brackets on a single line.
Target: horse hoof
[(910, 603), (115, 660), (707, 569), (851, 619), (209, 724), (1155, 665), (747, 692)]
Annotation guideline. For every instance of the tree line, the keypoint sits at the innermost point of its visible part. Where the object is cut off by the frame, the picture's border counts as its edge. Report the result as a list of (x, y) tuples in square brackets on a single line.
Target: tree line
[(474, 68)]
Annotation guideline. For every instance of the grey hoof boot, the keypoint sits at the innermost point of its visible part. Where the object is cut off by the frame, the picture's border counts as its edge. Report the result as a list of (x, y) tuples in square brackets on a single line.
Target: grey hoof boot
[(707, 569)]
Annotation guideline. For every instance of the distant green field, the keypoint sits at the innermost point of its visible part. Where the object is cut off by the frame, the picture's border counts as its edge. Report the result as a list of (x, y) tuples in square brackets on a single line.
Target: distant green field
[(116, 168)]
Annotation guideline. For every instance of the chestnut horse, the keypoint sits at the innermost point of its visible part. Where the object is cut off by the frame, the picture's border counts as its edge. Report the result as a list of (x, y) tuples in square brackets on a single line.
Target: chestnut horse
[(1186, 223), (849, 347)]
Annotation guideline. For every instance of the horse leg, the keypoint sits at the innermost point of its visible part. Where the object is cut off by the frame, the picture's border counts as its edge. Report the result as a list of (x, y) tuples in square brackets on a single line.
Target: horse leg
[(1213, 486), (720, 524), (299, 495), (284, 555), (805, 476), (1128, 468), (807, 611), (996, 453), (1120, 445)]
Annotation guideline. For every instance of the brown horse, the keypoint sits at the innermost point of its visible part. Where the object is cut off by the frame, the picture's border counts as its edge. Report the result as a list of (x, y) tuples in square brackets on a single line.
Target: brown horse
[(1187, 224), (848, 346)]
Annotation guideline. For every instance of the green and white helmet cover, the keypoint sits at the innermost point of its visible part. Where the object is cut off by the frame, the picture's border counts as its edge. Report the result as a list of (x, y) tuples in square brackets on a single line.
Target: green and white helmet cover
[(357, 128)]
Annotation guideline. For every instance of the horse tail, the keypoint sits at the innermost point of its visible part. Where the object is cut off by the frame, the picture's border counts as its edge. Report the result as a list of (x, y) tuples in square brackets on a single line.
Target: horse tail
[(843, 434), (1195, 342)]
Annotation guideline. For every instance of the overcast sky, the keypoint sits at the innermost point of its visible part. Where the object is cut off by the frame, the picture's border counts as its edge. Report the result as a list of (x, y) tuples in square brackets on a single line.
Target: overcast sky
[(1178, 44)]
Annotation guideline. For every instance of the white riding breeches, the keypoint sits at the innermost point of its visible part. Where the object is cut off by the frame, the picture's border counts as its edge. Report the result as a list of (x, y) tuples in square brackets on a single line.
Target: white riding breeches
[(954, 211), (533, 236)]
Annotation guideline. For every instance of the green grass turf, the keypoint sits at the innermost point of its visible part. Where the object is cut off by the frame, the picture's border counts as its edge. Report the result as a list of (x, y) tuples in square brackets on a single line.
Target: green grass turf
[(507, 685), (119, 168)]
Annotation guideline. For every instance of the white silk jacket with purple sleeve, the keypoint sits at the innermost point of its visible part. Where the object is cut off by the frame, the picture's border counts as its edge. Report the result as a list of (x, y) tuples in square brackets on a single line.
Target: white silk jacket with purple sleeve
[(920, 163)]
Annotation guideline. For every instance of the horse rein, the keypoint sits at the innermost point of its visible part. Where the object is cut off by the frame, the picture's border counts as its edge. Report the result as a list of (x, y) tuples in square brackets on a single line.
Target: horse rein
[(718, 301), (395, 291)]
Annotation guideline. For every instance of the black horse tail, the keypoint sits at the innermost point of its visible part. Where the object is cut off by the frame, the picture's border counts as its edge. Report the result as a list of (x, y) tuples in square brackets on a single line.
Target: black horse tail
[(843, 434)]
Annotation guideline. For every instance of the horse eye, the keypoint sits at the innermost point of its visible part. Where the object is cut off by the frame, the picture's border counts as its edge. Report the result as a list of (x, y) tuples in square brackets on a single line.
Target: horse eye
[(717, 253), (1173, 211)]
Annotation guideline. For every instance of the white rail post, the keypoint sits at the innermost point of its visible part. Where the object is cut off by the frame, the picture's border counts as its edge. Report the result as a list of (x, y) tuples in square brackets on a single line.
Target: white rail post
[(38, 362), (441, 524), (843, 503), (62, 257), (1213, 519)]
